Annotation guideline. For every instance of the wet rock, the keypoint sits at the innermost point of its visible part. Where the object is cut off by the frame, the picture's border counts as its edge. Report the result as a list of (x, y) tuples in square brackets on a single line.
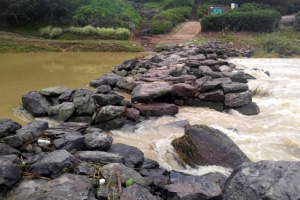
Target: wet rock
[(6, 150), (53, 163), (97, 141), (24, 188), (13, 158), (106, 79), (128, 83), (99, 156), (82, 92), (236, 77), (103, 89), (199, 82), (109, 112), (107, 99), (215, 148), (132, 113), (55, 132), (210, 85), (150, 91), (199, 103), (214, 96), (8, 127), (32, 130), (110, 172), (10, 173), (67, 187), (61, 112), (249, 109), (14, 141), (113, 124), (108, 192), (179, 124), (183, 90), (156, 109), (263, 180), (33, 159), (234, 87), (85, 169), (213, 74), (193, 191), (150, 164), (238, 99), (136, 191), (128, 65), (84, 106), (35, 104), (83, 119), (65, 96), (130, 153), (69, 142), (53, 91)]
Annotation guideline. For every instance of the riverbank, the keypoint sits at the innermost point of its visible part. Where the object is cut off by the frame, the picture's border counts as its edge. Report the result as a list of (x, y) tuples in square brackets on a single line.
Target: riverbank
[(15, 43)]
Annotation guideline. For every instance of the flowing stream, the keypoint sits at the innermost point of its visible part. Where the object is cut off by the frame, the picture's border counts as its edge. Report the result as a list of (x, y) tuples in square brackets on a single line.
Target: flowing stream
[(274, 134)]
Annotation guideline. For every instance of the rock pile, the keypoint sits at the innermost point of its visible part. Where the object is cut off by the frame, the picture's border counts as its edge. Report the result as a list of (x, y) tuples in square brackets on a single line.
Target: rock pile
[(77, 156)]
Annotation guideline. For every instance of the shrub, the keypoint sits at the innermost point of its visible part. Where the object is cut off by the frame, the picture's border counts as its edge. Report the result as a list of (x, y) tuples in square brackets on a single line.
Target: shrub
[(297, 22), (257, 21), (202, 10), (167, 19), (122, 33), (50, 32)]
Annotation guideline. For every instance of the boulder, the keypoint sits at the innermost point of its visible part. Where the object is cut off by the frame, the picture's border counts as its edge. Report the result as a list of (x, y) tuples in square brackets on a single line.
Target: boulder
[(14, 141), (109, 112), (85, 169), (199, 103), (58, 131), (6, 150), (249, 109), (203, 145), (234, 87), (35, 104), (32, 130), (67, 187), (238, 99), (97, 141), (111, 171), (132, 113), (183, 90), (213, 74), (214, 96), (108, 192), (84, 106), (82, 92), (8, 127), (136, 191), (69, 141), (62, 112), (24, 188), (106, 79), (264, 180), (113, 124), (150, 164), (103, 89), (130, 153), (83, 119), (53, 91), (128, 65), (156, 109), (99, 156), (10, 173), (210, 85), (239, 77), (149, 91), (65, 96), (107, 99), (129, 83), (53, 163)]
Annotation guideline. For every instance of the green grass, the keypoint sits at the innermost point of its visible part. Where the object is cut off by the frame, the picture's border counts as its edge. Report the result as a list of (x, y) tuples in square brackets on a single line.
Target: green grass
[(154, 5)]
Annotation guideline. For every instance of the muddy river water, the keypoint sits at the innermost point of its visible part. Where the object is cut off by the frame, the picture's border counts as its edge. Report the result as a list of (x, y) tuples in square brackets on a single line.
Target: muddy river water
[(274, 134)]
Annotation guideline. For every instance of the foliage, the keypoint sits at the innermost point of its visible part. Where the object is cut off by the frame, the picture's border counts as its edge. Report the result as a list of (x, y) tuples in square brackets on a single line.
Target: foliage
[(167, 19), (257, 21), (247, 7), (101, 33), (51, 32), (202, 9), (177, 3), (107, 13)]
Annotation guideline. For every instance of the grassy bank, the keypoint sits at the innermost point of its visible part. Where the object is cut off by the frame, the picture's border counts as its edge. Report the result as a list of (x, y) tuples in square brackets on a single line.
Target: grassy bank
[(10, 43)]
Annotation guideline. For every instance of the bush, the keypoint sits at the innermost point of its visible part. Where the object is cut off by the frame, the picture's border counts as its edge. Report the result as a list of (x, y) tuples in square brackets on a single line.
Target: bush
[(50, 32), (202, 10), (101, 33), (257, 21), (297, 22), (177, 3), (167, 19), (247, 7)]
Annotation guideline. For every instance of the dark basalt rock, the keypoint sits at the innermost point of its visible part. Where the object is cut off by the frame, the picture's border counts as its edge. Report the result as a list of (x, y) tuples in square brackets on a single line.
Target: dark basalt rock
[(130, 153), (234, 87), (62, 112), (263, 180), (236, 77), (107, 99), (53, 163), (213, 96), (113, 124), (212, 146), (106, 79), (69, 142), (8, 127), (183, 90), (6, 150), (199, 103), (68, 187), (249, 109), (108, 112), (10, 173), (53, 91), (14, 141), (97, 141), (103, 89), (156, 109), (136, 191), (32, 130), (84, 106), (35, 104), (238, 99), (99, 156)]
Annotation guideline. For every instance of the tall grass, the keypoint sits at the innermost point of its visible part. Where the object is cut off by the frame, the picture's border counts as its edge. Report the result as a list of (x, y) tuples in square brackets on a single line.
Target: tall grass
[(101, 33), (50, 32)]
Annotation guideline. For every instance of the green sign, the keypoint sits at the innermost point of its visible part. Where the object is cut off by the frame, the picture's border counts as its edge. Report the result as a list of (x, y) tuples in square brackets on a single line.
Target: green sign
[(217, 10)]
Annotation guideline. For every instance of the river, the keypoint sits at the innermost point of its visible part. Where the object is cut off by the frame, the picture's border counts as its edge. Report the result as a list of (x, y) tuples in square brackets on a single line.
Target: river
[(274, 134)]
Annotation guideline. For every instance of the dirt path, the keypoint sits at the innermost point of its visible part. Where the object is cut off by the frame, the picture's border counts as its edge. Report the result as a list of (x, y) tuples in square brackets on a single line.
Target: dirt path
[(185, 31)]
